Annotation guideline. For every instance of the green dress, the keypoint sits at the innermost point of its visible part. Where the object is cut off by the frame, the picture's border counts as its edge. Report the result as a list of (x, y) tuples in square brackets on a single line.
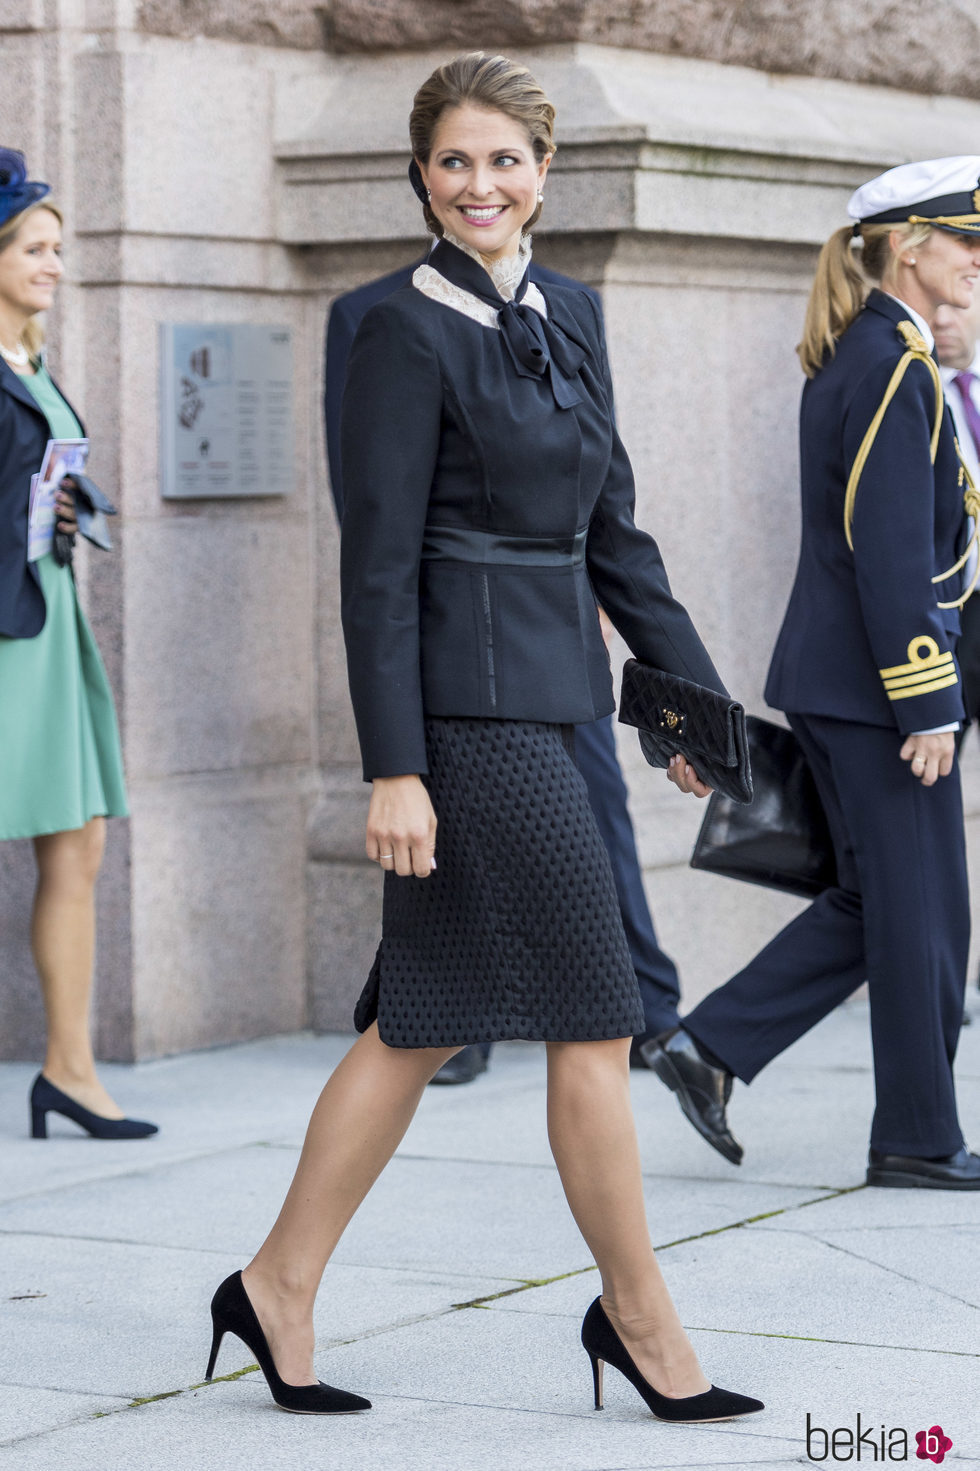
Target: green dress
[(60, 756)]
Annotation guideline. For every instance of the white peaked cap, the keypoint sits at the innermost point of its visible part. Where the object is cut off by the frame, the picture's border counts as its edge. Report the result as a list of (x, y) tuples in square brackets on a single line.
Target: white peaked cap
[(943, 190)]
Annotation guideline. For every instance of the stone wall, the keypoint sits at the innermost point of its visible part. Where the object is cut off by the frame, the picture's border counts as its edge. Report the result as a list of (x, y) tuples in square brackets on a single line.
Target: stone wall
[(161, 152), (892, 43)]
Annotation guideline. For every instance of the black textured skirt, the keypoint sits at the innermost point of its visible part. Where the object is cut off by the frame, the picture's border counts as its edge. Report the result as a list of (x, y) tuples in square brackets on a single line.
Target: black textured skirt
[(517, 934)]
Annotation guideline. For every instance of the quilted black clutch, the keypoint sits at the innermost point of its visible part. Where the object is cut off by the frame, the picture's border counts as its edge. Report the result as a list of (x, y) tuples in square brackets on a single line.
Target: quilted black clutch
[(675, 717), (782, 841)]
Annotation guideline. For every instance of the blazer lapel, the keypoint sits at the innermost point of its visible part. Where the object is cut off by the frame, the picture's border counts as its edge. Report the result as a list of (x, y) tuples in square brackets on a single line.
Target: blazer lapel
[(11, 381), (15, 386)]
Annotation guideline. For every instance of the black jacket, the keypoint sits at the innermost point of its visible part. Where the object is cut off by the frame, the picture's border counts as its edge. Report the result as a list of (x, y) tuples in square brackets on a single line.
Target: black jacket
[(346, 315), (24, 432), (864, 637), (444, 446)]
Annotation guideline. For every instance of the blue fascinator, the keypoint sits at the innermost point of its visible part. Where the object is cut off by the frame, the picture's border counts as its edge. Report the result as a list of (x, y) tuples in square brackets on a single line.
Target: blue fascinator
[(17, 191)]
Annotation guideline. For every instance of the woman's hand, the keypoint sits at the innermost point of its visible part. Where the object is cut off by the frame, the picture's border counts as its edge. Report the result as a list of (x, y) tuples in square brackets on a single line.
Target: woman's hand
[(67, 519), (685, 778), (931, 756), (401, 826)]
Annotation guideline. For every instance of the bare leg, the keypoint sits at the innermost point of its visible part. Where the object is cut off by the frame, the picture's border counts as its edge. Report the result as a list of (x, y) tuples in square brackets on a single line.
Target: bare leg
[(593, 1139), (359, 1121), (63, 945)]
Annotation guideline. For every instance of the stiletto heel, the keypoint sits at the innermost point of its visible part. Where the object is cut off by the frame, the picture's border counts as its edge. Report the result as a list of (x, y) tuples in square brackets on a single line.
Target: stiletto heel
[(597, 1367), (601, 1342), (46, 1098), (232, 1312), (217, 1334)]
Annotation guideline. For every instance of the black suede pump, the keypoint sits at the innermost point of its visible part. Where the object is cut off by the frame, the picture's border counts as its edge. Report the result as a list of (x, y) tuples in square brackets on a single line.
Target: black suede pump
[(232, 1312), (603, 1345), (46, 1098)]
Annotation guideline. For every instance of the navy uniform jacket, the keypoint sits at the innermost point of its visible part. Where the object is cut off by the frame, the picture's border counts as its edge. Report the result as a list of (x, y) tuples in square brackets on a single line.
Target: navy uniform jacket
[(443, 444), (864, 638), (24, 432)]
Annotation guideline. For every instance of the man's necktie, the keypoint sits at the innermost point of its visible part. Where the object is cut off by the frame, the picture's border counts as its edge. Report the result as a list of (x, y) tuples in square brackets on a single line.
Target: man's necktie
[(964, 382)]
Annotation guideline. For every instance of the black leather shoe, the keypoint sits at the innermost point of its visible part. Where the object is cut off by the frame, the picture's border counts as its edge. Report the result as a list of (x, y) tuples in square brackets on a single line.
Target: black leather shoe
[(702, 1090), (463, 1067), (959, 1171)]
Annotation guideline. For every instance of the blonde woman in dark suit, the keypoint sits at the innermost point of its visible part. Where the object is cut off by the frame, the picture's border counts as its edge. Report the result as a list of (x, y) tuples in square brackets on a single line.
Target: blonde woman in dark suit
[(489, 501)]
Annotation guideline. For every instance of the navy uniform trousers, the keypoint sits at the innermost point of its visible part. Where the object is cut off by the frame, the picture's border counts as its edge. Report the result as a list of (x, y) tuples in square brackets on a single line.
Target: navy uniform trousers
[(899, 918), (656, 974)]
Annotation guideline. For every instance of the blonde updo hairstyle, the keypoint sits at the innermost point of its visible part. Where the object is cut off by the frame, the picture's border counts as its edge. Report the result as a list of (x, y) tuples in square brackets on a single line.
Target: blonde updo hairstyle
[(32, 337), (492, 82), (842, 282)]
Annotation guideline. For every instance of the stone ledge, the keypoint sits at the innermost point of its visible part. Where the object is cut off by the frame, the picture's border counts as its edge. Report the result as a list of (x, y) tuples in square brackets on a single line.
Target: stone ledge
[(293, 23), (884, 42), (21, 15), (648, 143), (185, 262)]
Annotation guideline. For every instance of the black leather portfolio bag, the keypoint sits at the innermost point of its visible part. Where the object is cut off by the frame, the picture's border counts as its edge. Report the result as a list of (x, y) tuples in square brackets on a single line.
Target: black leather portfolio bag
[(675, 717), (782, 840)]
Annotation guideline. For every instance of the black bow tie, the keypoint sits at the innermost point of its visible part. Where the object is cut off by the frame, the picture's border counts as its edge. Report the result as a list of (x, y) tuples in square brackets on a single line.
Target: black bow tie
[(535, 344)]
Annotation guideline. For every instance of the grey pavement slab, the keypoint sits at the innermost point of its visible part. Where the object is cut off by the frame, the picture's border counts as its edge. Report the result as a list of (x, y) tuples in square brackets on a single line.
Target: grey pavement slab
[(27, 1410), (946, 1258), (788, 1284), (796, 1281), (128, 1320), (423, 1214), (203, 1101)]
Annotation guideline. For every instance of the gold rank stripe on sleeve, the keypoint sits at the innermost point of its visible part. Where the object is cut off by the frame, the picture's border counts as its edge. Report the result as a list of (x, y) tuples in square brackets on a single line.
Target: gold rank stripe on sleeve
[(923, 674)]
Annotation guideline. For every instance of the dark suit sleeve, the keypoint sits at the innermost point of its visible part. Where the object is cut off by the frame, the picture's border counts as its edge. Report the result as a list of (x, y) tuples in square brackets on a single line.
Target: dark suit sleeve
[(341, 326), (390, 428), (629, 578), (894, 538)]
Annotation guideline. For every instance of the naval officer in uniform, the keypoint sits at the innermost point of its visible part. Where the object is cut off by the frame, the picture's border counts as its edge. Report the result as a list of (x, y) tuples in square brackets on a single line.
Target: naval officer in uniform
[(865, 668)]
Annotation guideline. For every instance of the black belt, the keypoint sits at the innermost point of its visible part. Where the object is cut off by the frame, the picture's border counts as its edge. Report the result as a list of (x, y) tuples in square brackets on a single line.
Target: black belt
[(462, 544)]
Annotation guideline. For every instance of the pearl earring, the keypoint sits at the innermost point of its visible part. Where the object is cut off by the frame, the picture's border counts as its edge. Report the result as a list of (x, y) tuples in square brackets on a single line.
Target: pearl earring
[(428, 193), (910, 261), (540, 197)]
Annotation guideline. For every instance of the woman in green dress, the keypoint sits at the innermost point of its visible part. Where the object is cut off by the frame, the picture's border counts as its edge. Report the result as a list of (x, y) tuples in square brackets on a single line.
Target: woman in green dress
[(60, 755)]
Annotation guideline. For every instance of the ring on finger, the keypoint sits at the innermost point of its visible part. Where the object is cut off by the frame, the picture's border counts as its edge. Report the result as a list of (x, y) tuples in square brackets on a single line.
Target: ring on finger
[(383, 856)]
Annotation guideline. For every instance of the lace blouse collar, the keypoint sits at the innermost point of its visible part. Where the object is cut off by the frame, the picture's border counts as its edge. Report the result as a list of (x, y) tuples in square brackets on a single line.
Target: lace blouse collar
[(505, 274)]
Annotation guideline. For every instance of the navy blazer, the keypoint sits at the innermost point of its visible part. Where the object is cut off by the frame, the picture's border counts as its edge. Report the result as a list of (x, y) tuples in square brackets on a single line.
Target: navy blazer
[(864, 638), (24, 433), (444, 446), (345, 317)]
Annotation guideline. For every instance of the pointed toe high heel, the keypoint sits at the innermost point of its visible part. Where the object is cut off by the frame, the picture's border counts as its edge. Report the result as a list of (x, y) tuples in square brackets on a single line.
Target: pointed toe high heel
[(232, 1312), (46, 1098), (603, 1345)]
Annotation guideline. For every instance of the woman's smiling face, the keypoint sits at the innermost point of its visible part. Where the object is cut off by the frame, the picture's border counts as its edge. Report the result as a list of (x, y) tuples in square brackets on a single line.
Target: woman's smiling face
[(483, 178)]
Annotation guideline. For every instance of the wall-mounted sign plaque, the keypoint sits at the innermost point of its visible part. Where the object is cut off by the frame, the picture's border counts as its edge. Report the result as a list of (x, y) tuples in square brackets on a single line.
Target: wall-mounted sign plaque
[(226, 410)]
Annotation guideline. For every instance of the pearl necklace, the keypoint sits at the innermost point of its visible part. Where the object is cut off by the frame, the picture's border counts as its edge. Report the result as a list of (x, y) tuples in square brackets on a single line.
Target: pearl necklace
[(19, 358)]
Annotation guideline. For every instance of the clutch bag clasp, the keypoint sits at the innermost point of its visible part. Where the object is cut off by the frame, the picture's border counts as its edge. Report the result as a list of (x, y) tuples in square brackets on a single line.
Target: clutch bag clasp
[(671, 721)]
